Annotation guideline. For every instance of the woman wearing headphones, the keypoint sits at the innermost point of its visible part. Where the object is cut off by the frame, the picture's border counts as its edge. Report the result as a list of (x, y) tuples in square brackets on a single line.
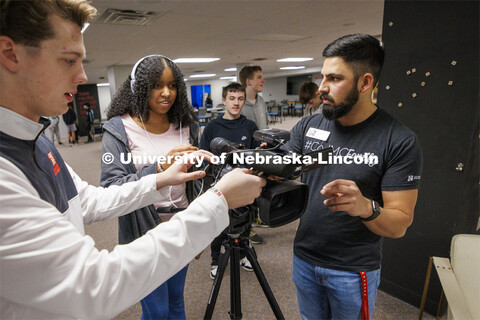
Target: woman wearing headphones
[(151, 119)]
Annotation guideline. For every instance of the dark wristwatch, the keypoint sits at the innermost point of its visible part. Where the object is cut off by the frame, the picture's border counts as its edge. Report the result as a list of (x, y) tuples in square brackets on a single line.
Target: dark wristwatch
[(375, 212)]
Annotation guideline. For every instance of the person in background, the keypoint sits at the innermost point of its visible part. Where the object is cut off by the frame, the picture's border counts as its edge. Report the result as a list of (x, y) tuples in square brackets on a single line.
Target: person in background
[(50, 269), (90, 116), (352, 204), (310, 96), (208, 101), (255, 109), (233, 127), (150, 116), (69, 118), (53, 129)]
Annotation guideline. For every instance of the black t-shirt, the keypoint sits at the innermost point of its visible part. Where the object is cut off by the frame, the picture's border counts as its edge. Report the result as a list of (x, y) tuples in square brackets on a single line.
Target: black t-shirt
[(382, 155)]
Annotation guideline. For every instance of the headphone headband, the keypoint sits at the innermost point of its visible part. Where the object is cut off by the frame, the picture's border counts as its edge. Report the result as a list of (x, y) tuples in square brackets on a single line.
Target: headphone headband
[(134, 69)]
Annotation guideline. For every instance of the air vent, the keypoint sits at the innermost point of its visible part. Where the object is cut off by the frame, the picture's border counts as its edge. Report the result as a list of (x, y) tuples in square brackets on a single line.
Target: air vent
[(259, 59), (127, 17)]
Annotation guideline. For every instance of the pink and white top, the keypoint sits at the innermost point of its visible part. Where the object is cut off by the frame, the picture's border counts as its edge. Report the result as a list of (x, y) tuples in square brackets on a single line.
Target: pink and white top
[(144, 154)]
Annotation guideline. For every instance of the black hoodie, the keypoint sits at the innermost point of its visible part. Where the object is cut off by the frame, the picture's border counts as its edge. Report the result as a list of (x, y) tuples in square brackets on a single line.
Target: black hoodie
[(239, 131)]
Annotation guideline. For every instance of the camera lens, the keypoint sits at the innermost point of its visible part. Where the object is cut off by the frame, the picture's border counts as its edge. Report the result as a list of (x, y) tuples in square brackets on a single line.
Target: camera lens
[(279, 201)]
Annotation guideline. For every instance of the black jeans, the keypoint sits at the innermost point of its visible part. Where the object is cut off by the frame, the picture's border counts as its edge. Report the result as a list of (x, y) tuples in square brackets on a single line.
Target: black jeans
[(89, 132)]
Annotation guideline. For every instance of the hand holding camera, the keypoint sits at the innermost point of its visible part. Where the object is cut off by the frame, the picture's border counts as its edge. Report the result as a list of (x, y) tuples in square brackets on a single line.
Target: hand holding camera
[(240, 187)]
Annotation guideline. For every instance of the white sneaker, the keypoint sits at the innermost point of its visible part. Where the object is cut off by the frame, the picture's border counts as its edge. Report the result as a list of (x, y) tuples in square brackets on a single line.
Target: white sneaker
[(245, 264), (213, 272)]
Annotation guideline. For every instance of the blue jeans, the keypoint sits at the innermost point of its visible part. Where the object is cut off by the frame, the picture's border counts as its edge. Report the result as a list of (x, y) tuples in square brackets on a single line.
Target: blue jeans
[(331, 294), (166, 302)]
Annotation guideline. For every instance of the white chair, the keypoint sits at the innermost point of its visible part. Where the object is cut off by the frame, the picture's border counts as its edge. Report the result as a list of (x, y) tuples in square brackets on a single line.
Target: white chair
[(460, 278)]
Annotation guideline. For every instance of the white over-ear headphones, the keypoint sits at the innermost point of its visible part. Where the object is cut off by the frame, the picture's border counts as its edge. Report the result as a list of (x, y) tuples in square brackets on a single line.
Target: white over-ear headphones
[(132, 75)]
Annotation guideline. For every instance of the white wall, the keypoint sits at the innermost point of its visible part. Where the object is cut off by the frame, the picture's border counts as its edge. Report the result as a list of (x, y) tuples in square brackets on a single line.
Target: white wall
[(317, 78), (276, 88), (104, 99)]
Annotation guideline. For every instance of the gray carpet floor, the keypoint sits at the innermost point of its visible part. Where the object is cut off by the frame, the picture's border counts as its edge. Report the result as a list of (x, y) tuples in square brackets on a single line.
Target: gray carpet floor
[(274, 256)]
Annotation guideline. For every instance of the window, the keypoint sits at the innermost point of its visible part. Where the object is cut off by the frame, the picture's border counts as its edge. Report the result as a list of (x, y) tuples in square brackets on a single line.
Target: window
[(199, 92)]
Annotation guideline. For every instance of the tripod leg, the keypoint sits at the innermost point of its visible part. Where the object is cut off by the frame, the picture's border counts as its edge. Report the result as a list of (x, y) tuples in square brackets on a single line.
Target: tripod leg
[(235, 295), (263, 283), (217, 282)]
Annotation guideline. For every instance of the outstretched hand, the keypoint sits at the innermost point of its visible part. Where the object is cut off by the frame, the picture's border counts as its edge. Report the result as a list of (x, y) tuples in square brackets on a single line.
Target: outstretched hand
[(177, 172), (178, 151)]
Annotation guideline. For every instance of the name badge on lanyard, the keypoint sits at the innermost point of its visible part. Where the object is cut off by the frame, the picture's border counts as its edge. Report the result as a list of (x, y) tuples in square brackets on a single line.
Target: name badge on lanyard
[(318, 134)]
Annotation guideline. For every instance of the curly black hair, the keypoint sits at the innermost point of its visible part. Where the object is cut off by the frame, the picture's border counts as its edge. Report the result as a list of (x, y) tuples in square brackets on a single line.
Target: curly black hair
[(146, 76)]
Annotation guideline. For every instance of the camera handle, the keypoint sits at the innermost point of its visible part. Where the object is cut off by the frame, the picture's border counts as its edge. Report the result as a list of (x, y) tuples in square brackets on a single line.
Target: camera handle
[(231, 249)]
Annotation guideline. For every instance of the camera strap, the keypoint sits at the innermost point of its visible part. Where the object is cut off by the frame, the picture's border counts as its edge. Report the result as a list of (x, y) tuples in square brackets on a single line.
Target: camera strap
[(364, 310)]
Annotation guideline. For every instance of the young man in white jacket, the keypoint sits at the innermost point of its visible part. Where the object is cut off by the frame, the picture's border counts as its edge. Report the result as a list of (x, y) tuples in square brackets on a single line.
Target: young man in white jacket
[(49, 268)]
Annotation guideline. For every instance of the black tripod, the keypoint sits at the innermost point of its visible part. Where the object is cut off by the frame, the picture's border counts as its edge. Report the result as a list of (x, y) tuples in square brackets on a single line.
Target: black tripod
[(231, 249)]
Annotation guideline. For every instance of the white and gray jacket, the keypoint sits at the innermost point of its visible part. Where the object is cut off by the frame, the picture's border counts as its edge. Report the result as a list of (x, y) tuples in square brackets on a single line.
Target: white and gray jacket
[(49, 268)]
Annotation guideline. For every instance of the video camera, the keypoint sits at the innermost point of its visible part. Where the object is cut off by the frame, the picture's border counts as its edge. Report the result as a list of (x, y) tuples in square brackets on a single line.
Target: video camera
[(282, 201)]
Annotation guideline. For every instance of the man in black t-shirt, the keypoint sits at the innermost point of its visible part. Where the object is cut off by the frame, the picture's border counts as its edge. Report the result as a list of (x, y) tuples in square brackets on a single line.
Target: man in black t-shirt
[(368, 191)]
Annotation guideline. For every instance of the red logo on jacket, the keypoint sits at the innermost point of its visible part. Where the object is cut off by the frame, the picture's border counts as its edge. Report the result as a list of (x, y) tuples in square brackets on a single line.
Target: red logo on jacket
[(56, 167)]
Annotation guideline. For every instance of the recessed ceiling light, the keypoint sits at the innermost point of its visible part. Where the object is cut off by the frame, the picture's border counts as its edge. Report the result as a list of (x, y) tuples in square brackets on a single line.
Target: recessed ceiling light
[(294, 59), (205, 75), (229, 78), (230, 69), (292, 68), (103, 84), (195, 60)]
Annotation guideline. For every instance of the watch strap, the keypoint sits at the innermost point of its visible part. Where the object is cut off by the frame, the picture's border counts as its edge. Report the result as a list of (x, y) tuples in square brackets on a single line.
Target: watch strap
[(375, 212)]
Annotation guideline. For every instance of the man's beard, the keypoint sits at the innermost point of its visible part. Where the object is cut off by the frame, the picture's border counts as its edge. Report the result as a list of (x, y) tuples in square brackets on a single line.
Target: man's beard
[(335, 111)]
